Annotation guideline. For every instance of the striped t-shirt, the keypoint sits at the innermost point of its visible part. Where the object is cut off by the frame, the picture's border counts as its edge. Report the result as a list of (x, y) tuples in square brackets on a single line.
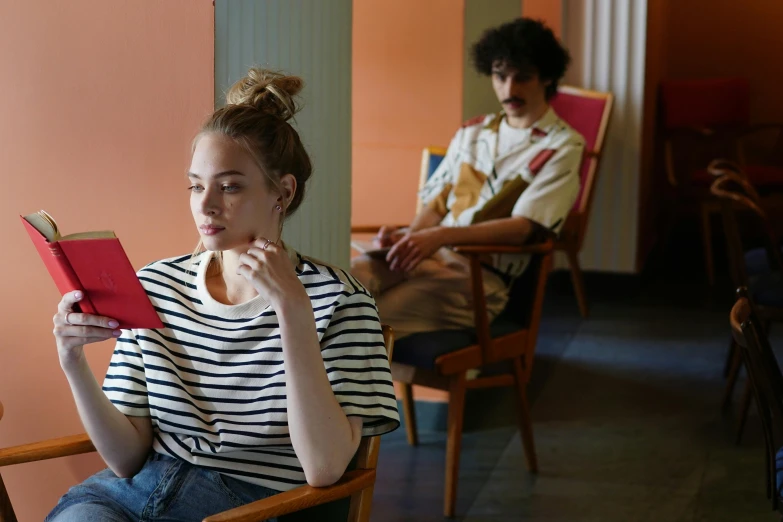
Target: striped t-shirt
[(212, 380)]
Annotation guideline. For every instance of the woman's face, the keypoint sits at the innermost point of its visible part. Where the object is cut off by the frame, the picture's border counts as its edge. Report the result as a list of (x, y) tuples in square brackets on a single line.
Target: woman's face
[(230, 197)]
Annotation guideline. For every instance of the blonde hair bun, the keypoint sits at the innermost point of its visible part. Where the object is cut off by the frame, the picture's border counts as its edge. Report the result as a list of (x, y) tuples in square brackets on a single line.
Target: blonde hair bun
[(268, 91)]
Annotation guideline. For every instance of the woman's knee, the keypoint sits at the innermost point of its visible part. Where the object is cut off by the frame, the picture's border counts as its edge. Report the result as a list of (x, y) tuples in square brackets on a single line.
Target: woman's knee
[(93, 511)]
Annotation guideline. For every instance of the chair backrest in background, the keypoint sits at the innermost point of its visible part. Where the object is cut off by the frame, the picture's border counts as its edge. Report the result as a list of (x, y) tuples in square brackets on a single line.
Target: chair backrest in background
[(588, 113), (705, 102), (766, 381), (430, 159)]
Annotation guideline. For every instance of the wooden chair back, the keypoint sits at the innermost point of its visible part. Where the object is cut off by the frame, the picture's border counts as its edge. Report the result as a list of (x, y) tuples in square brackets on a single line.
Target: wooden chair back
[(699, 120), (525, 305), (430, 159), (523, 310), (588, 112), (736, 193), (766, 382), (705, 102)]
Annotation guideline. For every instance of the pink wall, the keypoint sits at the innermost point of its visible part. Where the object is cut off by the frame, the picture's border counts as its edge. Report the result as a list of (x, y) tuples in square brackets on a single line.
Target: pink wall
[(99, 103), (407, 94)]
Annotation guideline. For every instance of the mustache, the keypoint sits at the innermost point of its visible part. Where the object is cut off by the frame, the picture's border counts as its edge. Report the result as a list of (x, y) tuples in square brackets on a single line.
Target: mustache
[(513, 99)]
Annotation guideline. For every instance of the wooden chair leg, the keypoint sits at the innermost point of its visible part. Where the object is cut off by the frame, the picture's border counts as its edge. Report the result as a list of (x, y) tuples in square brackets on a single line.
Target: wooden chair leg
[(729, 358), (731, 380), (409, 413), (525, 423), (454, 441), (578, 280), (769, 460), (6, 510), (747, 396), (770, 489), (706, 233)]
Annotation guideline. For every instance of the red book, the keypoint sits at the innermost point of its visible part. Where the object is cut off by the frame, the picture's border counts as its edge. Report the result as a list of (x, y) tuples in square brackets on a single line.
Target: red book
[(96, 264)]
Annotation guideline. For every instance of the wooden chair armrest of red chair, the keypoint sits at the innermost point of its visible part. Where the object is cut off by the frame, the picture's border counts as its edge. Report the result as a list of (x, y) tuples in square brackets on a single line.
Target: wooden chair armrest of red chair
[(475, 253), (297, 499), (371, 229), (48, 449)]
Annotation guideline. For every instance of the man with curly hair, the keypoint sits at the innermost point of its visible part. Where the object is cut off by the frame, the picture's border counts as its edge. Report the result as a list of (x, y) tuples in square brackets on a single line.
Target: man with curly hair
[(507, 178)]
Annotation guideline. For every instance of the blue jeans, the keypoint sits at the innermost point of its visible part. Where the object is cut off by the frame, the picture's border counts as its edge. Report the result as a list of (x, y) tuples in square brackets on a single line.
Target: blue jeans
[(165, 490)]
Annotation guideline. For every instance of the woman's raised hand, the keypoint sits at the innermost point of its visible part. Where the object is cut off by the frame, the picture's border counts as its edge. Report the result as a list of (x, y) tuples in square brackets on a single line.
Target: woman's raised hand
[(72, 330)]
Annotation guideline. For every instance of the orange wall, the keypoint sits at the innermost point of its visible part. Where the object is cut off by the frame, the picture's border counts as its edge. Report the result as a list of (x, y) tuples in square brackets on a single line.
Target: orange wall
[(99, 103), (407, 94), (550, 11)]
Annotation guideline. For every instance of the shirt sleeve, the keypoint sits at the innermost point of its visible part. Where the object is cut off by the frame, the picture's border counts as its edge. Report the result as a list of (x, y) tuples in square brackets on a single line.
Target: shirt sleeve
[(125, 383), (437, 188), (356, 363), (554, 189)]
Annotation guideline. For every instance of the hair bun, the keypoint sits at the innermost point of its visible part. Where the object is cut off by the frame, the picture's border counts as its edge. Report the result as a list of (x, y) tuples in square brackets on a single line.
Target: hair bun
[(268, 91)]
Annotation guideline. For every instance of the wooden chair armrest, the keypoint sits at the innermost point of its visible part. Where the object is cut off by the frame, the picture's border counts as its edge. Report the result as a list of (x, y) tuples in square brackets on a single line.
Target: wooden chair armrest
[(371, 229), (537, 248), (480, 317), (298, 499), (720, 166), (48, 449)]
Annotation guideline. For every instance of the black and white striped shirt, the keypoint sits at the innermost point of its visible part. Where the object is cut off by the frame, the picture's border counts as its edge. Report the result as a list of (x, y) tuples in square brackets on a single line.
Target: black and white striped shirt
[(212, 380)]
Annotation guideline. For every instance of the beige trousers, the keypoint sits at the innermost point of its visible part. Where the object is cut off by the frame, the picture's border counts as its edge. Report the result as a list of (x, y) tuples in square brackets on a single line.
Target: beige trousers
[(436, 295)]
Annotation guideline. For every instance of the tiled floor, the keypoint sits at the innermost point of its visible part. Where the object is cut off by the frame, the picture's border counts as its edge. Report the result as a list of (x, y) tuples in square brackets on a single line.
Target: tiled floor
[(627, 421)]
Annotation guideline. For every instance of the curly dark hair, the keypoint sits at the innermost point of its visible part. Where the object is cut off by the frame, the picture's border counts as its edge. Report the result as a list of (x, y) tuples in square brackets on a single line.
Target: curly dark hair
[(523, 44)]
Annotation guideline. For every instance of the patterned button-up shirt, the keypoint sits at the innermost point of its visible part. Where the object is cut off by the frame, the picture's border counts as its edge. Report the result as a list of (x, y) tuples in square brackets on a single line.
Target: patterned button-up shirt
[(536, 178)]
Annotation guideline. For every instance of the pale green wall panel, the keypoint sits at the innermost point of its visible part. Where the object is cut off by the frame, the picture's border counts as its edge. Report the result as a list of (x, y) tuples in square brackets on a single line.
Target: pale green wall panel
[(478, 96), (311, 39)]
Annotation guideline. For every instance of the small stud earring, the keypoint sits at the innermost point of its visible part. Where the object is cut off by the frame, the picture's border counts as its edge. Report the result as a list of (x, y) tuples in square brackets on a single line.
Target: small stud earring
[(278, 208)]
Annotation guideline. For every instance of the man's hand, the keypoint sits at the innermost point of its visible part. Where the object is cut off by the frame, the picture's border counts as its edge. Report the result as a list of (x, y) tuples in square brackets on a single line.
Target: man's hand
[(414, 247), (388, 236)]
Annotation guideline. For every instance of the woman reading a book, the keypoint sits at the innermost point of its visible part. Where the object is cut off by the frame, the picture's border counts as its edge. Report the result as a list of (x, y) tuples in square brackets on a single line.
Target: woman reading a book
[(270, 367)]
